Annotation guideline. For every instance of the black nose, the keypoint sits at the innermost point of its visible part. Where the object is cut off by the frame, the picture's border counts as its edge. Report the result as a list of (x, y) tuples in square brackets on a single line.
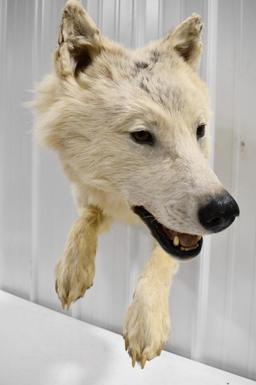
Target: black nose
[(219, 212)]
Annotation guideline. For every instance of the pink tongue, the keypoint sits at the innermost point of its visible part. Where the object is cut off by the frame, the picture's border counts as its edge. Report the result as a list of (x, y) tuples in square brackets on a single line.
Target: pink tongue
[(186, 240)]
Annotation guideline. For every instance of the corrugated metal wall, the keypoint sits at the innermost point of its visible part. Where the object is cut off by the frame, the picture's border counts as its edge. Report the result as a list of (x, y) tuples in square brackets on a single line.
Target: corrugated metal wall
[(214, 298)]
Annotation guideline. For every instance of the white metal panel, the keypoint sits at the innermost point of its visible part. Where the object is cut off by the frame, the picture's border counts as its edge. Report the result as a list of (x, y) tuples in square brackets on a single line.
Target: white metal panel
[(15, 167), (230, 339), (213, 302), (47, 348)]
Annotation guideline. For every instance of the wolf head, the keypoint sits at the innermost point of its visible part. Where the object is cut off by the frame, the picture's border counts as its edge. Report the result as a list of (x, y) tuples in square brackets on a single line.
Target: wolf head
[(136, 123)]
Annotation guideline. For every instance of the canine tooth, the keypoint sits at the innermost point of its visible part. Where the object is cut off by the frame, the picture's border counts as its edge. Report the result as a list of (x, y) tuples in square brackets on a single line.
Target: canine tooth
[(176, 240)]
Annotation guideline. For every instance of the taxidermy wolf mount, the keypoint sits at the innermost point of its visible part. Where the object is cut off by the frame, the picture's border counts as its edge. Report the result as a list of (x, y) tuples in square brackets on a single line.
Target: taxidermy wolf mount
[(130, 130)]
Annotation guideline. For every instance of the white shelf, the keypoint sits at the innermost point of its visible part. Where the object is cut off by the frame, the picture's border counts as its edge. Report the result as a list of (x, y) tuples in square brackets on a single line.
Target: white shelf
[(41, 347)]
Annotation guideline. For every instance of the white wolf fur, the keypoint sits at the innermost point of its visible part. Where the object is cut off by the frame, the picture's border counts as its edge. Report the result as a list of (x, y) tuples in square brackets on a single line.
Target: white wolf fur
[(85, 112)]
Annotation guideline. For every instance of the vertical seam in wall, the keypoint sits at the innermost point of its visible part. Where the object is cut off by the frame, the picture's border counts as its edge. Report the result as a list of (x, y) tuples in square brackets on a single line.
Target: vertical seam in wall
[(252, 328), (42, 24), (211, 12), (4, 6), (100, 14), (132, 40), (117, 20), (160, 19), (139, 22), (182, 10), (34, 177), (3, 19), (234, 177)]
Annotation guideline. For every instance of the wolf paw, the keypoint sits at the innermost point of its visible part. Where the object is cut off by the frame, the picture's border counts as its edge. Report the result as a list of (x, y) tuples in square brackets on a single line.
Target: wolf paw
[(146, 330), (72, 280)]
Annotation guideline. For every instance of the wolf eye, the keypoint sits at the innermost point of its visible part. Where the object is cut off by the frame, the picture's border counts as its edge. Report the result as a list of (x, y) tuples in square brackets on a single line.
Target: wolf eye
[(200, 132), (143, 137)]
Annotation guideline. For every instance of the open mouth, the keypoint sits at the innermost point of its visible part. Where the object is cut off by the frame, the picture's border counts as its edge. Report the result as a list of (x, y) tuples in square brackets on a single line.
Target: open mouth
[(180, 245)]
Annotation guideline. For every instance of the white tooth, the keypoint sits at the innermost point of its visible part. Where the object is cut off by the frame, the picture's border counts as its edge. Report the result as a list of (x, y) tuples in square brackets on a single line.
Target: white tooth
[(176, 240)]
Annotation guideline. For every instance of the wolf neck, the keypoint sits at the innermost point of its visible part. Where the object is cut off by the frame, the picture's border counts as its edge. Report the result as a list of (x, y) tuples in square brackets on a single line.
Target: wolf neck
[(109, 200), (112, 203)]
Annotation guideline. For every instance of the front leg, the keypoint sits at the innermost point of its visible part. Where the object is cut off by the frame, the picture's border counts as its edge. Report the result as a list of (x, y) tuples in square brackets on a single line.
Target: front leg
[(76, 268), (147, 323)]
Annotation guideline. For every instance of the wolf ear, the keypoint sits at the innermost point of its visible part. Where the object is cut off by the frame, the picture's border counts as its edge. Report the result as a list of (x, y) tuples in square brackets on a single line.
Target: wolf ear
[(79, 40), (186, 40)]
